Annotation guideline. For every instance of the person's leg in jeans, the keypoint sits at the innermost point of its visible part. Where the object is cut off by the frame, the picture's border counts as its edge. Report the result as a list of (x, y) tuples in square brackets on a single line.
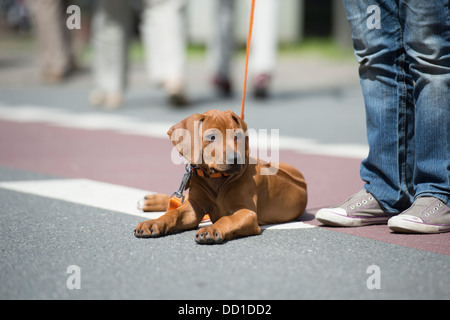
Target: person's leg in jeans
[(387, 89), (427, 44), (408, 61), (426, 26)]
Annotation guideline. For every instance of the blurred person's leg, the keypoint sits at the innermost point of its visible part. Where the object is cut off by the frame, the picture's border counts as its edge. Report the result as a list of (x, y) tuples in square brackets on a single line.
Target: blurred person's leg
[(264, 45), (54, 39), (221, 45), (110, 40), (164, 38)]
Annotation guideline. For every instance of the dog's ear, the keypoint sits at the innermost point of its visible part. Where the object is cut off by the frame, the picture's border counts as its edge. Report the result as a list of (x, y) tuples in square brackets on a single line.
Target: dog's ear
[(241, 123), (186, 136)]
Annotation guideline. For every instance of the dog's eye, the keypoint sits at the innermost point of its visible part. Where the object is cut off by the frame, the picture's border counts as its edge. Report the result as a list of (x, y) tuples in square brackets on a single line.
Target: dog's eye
[(210, 137)]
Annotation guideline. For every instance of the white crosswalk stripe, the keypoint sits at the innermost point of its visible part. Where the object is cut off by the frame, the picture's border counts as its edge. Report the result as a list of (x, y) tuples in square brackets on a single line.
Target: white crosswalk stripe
[(103, 195)]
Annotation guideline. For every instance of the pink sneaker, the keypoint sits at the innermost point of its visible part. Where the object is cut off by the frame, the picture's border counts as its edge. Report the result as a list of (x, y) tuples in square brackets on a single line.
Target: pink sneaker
[(426, 215), (361, 209)]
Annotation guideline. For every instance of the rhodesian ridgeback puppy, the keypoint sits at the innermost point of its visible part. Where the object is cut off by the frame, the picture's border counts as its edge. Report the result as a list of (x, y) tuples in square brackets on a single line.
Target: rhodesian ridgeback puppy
[(239, 192)]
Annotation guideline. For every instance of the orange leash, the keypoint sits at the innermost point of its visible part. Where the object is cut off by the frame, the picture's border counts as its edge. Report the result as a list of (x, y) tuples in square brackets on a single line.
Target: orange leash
[(250, 29)]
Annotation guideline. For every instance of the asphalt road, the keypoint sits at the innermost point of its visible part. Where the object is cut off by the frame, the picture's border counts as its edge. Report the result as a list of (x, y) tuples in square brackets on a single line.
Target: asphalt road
[(41, 238), (50, 246)]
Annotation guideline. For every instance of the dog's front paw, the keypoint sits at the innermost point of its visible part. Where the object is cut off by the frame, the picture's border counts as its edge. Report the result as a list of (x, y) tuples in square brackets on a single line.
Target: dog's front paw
[(150, 229), (209, 235)]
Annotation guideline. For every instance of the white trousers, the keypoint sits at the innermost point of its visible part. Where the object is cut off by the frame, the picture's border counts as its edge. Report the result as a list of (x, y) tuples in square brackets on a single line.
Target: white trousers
[(263, 54), (163, 36)]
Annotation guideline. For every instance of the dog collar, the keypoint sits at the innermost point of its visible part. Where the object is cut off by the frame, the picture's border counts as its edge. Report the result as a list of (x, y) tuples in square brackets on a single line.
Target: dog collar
[(177, 197), (199, 172)]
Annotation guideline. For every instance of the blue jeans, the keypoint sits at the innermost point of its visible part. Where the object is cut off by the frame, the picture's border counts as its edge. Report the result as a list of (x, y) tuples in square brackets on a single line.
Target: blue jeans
[(403, 48)]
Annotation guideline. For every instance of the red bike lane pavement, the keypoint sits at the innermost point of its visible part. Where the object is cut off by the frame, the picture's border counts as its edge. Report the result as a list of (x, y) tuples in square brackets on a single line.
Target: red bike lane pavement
[(145, 163)]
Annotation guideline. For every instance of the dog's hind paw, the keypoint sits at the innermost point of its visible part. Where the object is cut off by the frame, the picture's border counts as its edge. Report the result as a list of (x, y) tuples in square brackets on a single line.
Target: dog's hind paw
[(209, 235), (141, 204), (154, 203)]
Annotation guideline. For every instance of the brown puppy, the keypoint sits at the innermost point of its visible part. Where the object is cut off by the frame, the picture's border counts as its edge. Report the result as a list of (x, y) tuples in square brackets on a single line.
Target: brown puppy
[(237, 191)]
